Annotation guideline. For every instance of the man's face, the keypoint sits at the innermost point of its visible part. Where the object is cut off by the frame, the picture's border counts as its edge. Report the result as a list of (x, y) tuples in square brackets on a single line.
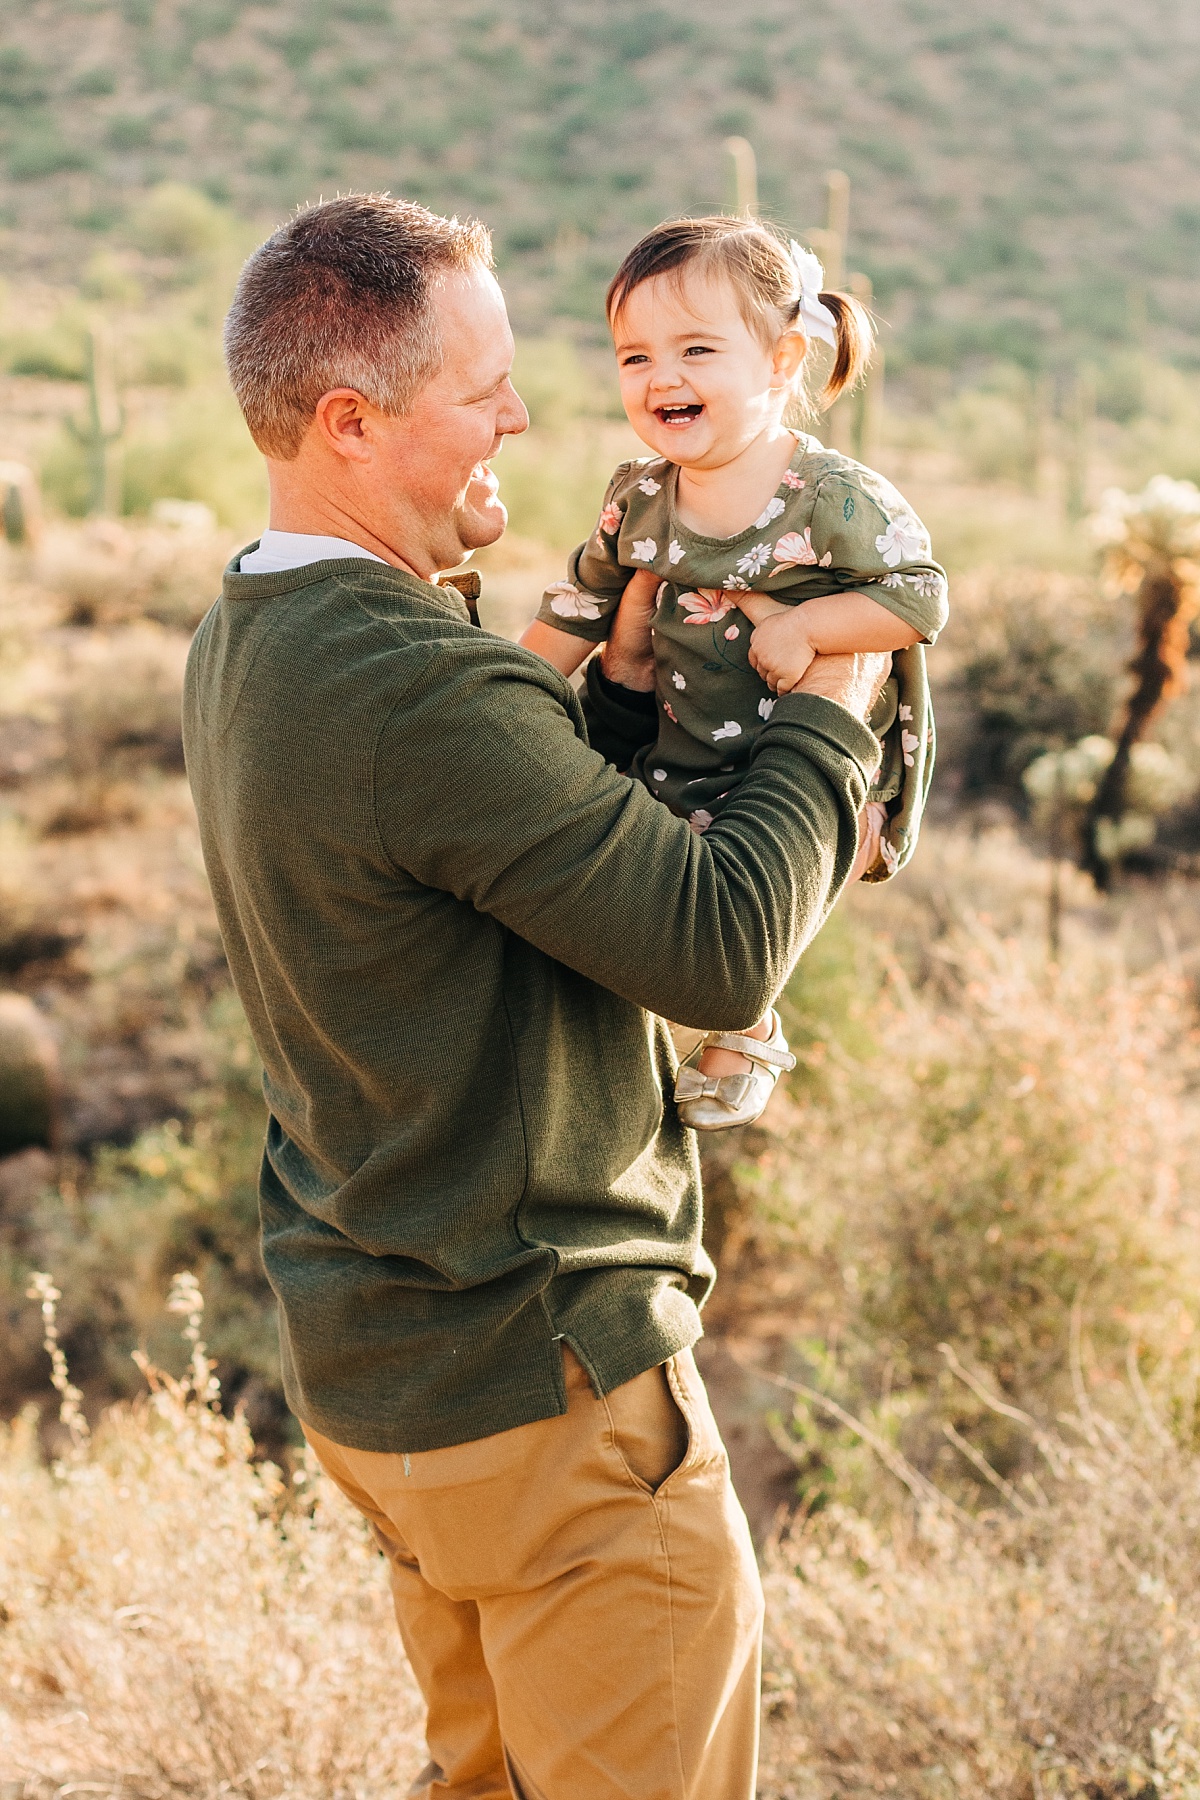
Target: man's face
[(434, 461)]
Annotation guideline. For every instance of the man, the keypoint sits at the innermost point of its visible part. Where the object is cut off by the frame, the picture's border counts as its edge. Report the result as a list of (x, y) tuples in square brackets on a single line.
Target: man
[(445, 913)]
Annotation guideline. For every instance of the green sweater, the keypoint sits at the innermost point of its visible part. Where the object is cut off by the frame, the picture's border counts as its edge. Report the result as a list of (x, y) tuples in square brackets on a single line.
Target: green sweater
[(453, 925)]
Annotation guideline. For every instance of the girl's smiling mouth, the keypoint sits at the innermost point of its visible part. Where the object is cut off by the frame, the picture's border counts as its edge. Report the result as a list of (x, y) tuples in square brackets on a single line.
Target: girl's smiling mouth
[(679, 415)]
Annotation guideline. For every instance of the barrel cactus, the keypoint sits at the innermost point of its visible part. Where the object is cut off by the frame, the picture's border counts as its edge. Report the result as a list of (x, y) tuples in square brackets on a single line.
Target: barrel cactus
[(29, 1081)]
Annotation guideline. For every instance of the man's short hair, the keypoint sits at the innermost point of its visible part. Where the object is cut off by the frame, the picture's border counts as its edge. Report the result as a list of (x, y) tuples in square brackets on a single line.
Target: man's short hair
[(341, 296)]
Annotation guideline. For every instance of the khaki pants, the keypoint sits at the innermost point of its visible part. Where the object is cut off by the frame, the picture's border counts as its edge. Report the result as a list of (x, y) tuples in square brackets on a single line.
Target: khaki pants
[(578, 1598)]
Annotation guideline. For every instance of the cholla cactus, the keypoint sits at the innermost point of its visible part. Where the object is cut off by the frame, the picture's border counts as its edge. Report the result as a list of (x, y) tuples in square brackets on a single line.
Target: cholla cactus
[(1063, 785), (1151, 544)]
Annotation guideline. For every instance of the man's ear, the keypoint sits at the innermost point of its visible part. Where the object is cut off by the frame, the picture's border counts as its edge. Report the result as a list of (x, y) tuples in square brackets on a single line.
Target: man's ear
[(790, 352), (341, 421)]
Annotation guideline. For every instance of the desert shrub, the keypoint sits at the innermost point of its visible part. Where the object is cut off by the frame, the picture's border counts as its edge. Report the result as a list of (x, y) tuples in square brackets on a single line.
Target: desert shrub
[(176, 1622), (178, 222), (108, 574), (1031, 661), (1050, 1647), (183, 1194), (123, 695), (965, 1160), (196, 448), (991, 434)]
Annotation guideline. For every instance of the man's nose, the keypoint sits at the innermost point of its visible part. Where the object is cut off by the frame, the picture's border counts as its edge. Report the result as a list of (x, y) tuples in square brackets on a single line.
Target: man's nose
[(513, 416)]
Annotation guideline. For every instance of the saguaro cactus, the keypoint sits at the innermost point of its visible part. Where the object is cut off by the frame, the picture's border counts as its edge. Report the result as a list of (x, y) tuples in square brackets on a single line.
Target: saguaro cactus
[(1152, 549), (103, 423)]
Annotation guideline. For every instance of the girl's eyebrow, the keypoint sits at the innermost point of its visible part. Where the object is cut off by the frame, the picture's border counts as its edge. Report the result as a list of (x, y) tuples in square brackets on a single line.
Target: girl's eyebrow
[(624, 346)]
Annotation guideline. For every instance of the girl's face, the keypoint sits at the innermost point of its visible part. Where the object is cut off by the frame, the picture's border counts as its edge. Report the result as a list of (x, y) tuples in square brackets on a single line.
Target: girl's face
[(698, 386)]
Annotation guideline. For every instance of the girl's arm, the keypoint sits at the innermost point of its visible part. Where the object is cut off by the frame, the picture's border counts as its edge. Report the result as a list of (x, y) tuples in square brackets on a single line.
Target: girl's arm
[(628, 657), (786, 638), (561, 649)]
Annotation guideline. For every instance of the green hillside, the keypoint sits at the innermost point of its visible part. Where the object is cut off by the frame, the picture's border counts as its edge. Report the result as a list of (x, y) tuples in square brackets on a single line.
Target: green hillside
[(1026, 174)]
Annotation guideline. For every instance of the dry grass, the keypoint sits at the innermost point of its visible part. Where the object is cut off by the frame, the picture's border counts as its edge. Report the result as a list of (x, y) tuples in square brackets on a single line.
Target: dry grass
[(1052, 1647), (175, 1622)]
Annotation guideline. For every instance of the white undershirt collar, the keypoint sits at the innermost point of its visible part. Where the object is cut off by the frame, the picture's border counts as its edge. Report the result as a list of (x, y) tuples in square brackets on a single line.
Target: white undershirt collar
[(278, 550)]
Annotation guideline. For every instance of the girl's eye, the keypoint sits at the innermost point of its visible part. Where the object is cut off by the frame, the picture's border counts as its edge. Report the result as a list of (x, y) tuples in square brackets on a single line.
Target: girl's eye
[(636, 356), (698, 350)]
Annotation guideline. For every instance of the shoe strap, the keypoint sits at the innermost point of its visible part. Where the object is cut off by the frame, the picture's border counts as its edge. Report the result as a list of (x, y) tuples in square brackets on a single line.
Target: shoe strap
[(758, 1051)]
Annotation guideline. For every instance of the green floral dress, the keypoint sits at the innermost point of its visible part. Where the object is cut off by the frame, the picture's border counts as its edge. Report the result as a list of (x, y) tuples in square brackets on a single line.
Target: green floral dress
[(832, 526)]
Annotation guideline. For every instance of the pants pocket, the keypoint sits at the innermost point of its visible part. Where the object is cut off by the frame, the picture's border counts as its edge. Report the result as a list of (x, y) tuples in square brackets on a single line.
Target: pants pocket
[(650, 1431)]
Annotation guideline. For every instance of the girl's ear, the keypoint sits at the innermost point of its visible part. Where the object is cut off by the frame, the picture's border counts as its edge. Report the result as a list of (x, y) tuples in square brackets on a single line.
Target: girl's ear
[(790, 352)]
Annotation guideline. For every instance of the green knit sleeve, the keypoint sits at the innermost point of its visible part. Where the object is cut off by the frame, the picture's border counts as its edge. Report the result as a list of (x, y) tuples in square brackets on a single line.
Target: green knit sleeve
[(527, 823)]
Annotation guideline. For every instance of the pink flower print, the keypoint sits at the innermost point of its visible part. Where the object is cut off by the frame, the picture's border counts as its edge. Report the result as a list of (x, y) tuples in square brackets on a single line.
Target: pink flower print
[(731, 633), (700, 821), (795, 482), (705, 606), (670, 712), (795, 551), (610, 520), (908, 743)]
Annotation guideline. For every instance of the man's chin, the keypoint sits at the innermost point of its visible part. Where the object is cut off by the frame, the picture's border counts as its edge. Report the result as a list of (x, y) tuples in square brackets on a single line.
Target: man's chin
[(479, 526)]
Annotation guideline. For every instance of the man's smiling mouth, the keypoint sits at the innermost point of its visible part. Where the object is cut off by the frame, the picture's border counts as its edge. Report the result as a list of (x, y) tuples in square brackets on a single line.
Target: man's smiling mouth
[(679, 415)]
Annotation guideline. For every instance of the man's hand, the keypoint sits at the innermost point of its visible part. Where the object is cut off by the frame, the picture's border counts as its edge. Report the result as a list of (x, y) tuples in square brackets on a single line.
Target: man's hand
[(854, 681), (628, 654)]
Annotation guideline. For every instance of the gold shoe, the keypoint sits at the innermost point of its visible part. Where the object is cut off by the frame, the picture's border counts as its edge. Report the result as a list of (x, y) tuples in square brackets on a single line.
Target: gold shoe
[(715, 1102)]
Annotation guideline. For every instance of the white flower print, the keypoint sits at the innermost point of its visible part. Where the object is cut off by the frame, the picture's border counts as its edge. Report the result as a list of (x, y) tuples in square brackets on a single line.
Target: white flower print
[(730, 729), (736, 585), (928, 586), (770, 511), (678, 679), (765, 708), (755, 560), (890, 855), (795, 482), (570, 603), (644, 550), (903, 540), (648, 484), (891, 581), (908, 743), (700, 821), (658, 774), (610, 520), (675, 552), (905, 713)]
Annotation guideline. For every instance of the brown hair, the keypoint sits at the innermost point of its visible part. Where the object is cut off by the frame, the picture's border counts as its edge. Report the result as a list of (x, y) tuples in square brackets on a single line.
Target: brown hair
[(756, 261), (340, 297)]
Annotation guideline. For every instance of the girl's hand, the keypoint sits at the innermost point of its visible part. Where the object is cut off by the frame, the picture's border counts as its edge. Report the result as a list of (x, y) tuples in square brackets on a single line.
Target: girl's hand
[(781, 649), (628, 654)]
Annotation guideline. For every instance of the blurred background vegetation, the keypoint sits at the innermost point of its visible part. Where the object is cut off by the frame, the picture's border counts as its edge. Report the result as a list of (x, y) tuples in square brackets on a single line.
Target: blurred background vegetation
[(954, 1344)]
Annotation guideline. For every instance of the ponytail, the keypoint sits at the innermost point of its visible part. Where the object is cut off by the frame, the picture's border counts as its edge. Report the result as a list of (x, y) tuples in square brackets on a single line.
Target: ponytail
[(855, 342)]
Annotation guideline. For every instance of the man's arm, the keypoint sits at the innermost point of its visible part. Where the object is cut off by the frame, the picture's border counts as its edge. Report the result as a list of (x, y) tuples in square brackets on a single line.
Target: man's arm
[(528, 824)]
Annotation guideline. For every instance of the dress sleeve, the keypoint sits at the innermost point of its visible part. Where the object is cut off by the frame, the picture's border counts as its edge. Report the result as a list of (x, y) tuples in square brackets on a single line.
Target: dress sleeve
[(584, 604), (871, 540)]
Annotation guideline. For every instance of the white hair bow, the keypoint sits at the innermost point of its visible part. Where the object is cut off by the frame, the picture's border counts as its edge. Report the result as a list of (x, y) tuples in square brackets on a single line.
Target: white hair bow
[(818, 319)]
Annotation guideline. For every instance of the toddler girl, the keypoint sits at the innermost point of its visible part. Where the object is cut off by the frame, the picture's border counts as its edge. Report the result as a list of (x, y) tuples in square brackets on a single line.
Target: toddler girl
[(769, 548)]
